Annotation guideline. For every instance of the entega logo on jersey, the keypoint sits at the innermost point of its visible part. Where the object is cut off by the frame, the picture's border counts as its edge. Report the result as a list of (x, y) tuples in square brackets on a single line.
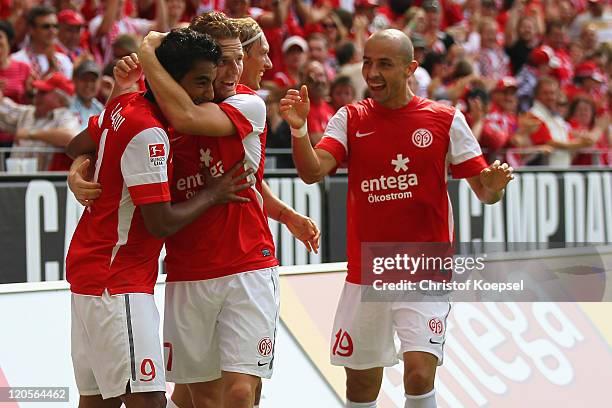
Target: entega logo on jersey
[(400, 182)]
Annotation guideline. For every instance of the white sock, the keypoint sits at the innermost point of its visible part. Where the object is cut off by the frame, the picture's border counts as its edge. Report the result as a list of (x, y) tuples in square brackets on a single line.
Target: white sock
[(351, 404), (421, 401), (256, 406), (171, 404)]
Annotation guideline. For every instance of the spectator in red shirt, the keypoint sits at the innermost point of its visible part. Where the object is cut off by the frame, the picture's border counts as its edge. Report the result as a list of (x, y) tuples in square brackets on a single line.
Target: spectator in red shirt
[(295, 52), (317, 83), (341, 92), (556, 38), (70, 34), (582, 119), (15, 76)]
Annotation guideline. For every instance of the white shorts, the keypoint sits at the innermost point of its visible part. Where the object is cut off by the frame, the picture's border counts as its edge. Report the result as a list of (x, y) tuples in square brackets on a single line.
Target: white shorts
[(364, 332), (222, 324), (115, 343)]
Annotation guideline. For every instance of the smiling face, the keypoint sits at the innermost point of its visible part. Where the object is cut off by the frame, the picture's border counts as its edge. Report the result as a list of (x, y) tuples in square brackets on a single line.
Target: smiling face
[(229, 69), (386, 68), (198, 81), (256, 62), (87, 85), (44, 30)]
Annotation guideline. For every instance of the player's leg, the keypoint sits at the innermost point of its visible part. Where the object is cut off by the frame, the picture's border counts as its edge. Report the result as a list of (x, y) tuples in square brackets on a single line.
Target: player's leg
[(247, 334), (191, 341), (419, 376), (362, 342), (239, 390), (206, 394), (363, 386), (156, 399), (96, 401), (116, 346), (421, 328), (181, 397), (258, 394)]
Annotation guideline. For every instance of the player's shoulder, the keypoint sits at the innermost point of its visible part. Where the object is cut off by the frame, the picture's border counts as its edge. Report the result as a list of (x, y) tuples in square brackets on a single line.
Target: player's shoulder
[(248, 103), (136, 111), (245, 96), (424, 104)]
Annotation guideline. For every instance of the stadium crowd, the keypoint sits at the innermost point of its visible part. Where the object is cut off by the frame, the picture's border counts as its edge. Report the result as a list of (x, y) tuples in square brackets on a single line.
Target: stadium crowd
[(532, 76)]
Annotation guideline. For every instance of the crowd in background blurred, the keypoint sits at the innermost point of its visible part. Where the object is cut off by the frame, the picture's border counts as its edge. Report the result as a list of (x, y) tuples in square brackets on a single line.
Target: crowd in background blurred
[(531, 76)]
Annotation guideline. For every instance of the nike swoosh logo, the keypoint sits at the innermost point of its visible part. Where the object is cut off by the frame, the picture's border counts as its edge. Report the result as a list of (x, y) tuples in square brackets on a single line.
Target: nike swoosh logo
[(435, 342), (259, 363), (359, 134)]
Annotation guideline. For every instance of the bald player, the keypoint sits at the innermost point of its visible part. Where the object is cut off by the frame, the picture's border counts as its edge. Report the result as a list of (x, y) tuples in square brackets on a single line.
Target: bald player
[(398, 148)]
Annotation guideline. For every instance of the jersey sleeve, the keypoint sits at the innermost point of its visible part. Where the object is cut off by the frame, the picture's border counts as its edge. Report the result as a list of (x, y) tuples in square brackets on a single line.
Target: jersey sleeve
[(335, 138), (247, 112), (144, 166), (464, 152), (541, 136), (94, 126)]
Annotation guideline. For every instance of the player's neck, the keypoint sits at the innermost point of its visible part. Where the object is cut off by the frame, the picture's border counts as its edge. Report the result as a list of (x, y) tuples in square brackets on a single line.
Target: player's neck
[(401, 101)]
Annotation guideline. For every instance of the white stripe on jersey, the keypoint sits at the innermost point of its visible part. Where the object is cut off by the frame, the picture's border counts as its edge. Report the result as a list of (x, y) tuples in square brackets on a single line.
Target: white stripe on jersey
[(125, 212), (136, 166), (100, 153), (253, 151), (463, 145), (337, 127)]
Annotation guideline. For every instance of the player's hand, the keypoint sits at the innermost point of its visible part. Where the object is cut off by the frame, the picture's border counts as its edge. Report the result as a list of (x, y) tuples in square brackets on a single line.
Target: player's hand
[(150, 43), (79, 181), (496, 177), (294, 107), (302, 228), (127, 71), (223, 189)]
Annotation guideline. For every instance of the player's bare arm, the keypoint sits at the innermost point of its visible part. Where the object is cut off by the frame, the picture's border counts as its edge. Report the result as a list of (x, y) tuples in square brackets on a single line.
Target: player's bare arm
[(175, 103), (82, 149), (312, 164), (489, 185), (163, 219), (302, 227)]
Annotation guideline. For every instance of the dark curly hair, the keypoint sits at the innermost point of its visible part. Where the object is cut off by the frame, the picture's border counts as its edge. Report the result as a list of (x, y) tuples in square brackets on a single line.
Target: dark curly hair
[(182, 48)]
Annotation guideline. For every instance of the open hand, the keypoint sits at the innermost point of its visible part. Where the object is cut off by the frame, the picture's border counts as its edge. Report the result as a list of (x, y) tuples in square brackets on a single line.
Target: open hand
[(497, 176), (223, 189), (302, 228), (294, 107), (79, 181)]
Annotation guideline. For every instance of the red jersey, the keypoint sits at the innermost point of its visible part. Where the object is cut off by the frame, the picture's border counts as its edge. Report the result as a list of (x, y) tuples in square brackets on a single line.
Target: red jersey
[(229, 238), (111, 247), (318, 116), (397, 163)]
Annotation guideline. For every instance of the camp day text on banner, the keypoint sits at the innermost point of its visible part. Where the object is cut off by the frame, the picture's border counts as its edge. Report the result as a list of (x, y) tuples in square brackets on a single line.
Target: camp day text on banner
[(537, 207)]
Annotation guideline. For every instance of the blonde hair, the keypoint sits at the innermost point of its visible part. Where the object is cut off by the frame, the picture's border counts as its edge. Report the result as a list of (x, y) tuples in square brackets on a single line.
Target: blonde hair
[(215, 24), (249, 29)]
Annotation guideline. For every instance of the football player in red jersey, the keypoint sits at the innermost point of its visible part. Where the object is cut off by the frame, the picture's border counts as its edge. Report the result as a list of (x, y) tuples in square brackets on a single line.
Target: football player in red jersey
[(112, 261), (398, 148), (254, 247)]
